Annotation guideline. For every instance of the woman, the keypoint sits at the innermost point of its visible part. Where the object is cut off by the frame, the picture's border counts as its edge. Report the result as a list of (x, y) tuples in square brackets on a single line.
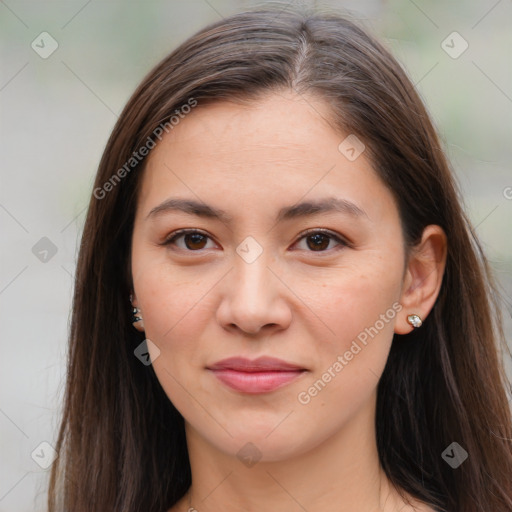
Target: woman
[(314, 325)]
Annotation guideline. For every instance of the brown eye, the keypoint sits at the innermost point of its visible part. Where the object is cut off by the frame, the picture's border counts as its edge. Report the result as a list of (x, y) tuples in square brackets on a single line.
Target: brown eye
[(319, 241), (192, 240)]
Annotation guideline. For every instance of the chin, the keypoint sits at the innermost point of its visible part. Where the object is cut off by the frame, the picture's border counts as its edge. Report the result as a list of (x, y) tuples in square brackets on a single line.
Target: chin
[(251, 446)]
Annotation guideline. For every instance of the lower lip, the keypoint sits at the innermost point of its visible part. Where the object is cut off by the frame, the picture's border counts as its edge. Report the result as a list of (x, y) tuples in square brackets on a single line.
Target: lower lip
[(256, 382)]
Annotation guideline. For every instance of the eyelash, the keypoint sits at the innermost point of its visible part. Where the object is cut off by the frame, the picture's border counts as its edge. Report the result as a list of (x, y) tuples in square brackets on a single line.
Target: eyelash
[(182, 232)]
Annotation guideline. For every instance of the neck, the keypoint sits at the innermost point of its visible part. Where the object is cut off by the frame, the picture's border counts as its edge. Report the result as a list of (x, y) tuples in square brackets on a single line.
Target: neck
[(342, 474)]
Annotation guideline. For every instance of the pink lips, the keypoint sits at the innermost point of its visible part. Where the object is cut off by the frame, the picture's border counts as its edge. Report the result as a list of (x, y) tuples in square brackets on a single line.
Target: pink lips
[(259, 376)]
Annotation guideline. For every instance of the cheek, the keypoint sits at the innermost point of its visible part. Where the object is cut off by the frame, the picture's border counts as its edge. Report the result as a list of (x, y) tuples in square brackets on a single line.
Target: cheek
[(175, 313), (361, 297), (348, 302), (163, 297), (360, 308), (174, 309), (362, 316)]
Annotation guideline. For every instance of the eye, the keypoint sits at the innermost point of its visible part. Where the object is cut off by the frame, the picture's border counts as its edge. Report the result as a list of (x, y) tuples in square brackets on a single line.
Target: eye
[(193, 240), (318, 240)]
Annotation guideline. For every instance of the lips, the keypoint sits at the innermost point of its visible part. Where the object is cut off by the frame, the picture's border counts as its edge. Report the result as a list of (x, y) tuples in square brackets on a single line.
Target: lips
[(258, 365), (261, 375)]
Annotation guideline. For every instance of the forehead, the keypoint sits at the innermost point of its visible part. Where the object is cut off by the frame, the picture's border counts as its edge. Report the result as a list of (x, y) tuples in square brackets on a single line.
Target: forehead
[(278, 123), (279, 146)]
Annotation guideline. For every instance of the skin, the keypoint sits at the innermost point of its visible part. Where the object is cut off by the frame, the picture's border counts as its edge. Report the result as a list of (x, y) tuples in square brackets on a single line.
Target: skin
[(202, 302)]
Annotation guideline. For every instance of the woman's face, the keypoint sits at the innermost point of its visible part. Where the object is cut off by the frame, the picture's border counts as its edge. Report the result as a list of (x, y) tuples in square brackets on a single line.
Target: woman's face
[(250, 282)]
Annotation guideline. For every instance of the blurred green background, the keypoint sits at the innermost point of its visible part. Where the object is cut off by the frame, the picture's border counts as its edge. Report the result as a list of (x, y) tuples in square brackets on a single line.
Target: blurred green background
[(56, 114)]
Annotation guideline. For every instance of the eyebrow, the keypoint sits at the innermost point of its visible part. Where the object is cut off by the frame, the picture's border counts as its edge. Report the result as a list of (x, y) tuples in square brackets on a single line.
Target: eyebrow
[(304, 209)]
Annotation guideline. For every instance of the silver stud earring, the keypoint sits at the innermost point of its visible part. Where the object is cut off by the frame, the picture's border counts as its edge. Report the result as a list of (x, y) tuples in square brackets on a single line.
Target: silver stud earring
[(137, 317), (414, 320)]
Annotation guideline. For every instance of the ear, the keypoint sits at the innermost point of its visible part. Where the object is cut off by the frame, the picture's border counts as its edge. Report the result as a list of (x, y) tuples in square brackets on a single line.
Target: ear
[(139, 325), (423, 277)]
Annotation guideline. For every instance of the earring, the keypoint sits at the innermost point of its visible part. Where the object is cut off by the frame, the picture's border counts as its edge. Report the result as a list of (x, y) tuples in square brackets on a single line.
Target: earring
[(414, 320), (137, 317)]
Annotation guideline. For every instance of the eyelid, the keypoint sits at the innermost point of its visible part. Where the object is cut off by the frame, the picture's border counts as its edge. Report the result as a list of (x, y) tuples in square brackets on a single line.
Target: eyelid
[(185, 231), (341, 240)]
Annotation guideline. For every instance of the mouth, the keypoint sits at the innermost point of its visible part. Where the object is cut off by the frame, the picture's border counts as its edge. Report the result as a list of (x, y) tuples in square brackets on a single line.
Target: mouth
[(262, 375)]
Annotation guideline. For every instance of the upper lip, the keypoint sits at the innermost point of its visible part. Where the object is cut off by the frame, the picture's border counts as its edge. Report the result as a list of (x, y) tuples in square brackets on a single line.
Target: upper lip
[(261, 364)]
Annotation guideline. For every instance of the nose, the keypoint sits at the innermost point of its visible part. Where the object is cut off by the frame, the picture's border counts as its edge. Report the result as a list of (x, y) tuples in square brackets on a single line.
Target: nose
[(254, 299)]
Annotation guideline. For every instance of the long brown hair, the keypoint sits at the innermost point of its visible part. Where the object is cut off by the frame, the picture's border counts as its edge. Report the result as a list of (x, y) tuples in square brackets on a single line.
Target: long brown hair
[(122, 443)]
